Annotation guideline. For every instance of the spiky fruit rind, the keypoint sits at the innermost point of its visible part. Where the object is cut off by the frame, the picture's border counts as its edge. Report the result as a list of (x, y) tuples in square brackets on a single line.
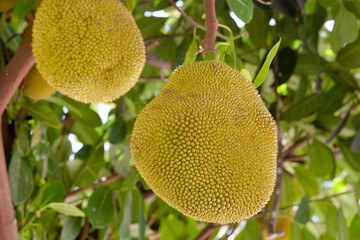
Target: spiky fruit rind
[(207, 144), (36, 86), (89, 50)]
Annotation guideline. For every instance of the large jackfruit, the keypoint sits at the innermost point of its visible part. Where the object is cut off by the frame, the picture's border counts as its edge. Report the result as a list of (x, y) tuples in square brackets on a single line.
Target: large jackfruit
[(36, 86), (207, 145), (89, 50)]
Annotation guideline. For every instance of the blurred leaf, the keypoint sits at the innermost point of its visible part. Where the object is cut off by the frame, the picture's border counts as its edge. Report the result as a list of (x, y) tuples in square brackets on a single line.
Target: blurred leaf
[(261, 76), (61, 102), (117, 131), (172, 228), (152, 29), (23, 141), (322, 161), (193, 48), (20, 179), (141, 217), (328, 3), (302, 109), (307, 181), (353, 159), (43, 113), (303, 213), (54, 192), (130, 4), (287, 7), (332, 100), (354, 229), (62, 148), (355, 145), (345, 29), (21, 9), (287, 62), (66, 209), (8, 35), (243, 9), (127, 217), (257, 29), (349, 56), (71, 228), (6, 5), (100, 208)]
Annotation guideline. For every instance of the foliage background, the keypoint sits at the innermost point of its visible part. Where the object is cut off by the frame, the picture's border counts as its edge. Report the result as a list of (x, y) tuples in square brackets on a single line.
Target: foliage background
[(70, 170)]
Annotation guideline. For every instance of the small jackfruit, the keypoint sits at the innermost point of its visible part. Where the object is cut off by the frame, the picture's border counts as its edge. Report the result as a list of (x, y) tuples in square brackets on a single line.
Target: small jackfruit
[(91, 51), (207, 145), (36, 87)]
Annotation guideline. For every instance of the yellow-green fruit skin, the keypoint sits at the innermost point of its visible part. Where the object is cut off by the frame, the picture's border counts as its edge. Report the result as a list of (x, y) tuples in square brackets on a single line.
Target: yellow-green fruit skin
[(89, 50), (36, 86), (207, 145)]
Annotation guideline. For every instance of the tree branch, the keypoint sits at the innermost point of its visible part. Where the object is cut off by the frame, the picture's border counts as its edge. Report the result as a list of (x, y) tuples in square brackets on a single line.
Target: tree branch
[(196, 24), (10, 79), (207, 231), (8, 227), (93, 186), (341, 124), (14, 73), (157, 62), (208, 43), (280, 157)]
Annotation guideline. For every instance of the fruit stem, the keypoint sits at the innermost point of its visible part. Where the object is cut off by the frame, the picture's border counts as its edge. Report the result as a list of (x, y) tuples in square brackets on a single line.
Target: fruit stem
[(208, 43)]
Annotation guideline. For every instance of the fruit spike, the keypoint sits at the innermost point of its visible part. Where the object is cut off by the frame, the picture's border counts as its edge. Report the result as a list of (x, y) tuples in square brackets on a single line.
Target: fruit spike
[(207, 145)]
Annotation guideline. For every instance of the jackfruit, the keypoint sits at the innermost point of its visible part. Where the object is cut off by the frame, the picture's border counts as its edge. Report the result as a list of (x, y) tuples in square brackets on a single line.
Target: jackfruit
[(91, 51), (6, 5), (207, 145), (36, 87)]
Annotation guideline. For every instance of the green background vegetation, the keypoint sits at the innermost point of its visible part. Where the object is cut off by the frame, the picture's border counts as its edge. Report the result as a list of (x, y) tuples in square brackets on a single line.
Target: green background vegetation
[(71, 174)]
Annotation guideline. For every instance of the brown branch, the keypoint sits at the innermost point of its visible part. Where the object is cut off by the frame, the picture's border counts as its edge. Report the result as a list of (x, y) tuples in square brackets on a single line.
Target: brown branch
[(341, 124), (296, 158), (93, 186), (154, 61), (8, 228), (196, 24), (280, 157), (10, 79), (207, 45), (265, 3), (13, 74), (207, 231)]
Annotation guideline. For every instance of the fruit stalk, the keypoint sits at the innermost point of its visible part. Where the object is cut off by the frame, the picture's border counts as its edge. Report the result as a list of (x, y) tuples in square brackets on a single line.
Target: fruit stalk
[(10, 79), (211, 24)]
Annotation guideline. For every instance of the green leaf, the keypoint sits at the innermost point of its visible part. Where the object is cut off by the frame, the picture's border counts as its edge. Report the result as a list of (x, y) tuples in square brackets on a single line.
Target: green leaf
[(243, 9), (43, 113), (322, 161), (20, 179), (125, 233), (54, 192), (260, 78), (21, 9), (354, 230), (303, 213), (307, 181), (61, 102), (192, 50), (345, 29), (71, 228), (66, 209), (100, 208), (141, 218), (257, 29), (328, 3), (117, 131), (302, 109), (349, 56), (172, 228), (353, 159), (130, 4)]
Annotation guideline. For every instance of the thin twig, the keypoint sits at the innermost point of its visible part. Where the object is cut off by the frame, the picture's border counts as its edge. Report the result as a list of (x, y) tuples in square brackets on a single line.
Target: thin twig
[(207, 231), (93, 186), (263, 221), (265, 3), (280, 157), (196, 24), (341, 124), (321, 199), (157, 62)]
